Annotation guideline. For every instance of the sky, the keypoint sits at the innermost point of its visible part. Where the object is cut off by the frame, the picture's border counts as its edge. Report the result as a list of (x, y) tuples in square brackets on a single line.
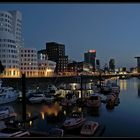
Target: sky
[(113, 30)]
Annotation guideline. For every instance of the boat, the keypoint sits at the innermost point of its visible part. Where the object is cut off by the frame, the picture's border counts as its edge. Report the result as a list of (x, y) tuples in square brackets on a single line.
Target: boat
[(111, 98), (2, 125), (74, 122), (94, 101), (7, 112), (69, 100), (96, 88), (7, 94), (37, 97), (115, 88), (50, 90), (56, 132), (89, 128), (105, 89), (11, 132), (6, 131), (49, 98), (125, 76)]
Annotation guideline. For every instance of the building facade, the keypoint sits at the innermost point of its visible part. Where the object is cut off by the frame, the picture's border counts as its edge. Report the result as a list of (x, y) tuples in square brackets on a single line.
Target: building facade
[(56, 53), (97, 64), (42, 54), (90, 57), (112, 65), (138, 64), (79, 67), (10, 42), (28, 62), (46, 67)]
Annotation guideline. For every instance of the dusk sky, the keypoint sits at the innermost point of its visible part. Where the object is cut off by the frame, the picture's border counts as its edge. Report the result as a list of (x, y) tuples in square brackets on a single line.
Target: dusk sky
[(113, 30)]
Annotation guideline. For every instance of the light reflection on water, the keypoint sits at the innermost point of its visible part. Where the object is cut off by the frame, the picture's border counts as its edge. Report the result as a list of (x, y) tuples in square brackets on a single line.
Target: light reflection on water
[(118, 120), (123, 84)]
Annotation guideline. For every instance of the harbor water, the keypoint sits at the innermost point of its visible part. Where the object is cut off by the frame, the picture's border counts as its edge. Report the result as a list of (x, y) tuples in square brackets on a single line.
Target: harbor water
[(121, 121)]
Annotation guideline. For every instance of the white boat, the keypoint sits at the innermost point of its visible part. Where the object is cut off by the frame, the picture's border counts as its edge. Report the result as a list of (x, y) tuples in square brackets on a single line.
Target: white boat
[(7, 94), (10, 132), (51, 89), (76, 121), (37, 98), (89, 128), (6, 131), (94, 101), (49, 98), (7, 112)]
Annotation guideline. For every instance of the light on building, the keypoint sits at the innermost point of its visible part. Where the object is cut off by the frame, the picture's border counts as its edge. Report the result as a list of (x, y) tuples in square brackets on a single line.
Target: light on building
[(92, 51)]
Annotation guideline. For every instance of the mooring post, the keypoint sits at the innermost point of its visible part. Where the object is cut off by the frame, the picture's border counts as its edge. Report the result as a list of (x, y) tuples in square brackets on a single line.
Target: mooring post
[(81, 81), (23, 101)]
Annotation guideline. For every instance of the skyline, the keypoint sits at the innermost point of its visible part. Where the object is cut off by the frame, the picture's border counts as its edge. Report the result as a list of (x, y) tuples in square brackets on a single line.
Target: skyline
[(111, 29)]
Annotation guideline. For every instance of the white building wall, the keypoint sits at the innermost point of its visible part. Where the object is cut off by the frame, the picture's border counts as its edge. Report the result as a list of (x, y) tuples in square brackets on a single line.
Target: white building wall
[(9, 44), (28, 62), (46, 68)]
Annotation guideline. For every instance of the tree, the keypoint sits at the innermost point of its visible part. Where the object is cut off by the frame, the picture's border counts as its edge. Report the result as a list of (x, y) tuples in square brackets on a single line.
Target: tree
[(1, 68)]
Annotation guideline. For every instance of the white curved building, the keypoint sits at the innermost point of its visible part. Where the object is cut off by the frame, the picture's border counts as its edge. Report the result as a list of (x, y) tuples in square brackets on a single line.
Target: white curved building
[(14, 57), (10, 42)]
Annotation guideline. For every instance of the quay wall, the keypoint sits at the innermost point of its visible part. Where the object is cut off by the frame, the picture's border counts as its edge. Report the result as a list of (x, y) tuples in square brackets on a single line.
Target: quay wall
[(42, 82)]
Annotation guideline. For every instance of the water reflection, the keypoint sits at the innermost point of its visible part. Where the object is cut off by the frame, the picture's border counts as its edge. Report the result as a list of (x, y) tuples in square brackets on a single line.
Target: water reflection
[(93, 112), (138, 87), (42, 115), (127, 112), (123, 84), (110, 108), (52, 109)]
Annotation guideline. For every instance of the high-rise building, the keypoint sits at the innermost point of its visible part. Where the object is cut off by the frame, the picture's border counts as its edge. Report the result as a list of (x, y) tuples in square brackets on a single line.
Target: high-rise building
[(112, 65), (90, 57), (97, 64), (138, 64), (56, 53), (10, 41)]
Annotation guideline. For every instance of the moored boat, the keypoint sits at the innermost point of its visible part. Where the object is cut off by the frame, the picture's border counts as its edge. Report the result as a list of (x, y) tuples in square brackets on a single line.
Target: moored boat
[(7, 94), (69, 100), (111, 98), (74, 122), (94, 101), (37, 98), (7, 112), (89, 128)]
